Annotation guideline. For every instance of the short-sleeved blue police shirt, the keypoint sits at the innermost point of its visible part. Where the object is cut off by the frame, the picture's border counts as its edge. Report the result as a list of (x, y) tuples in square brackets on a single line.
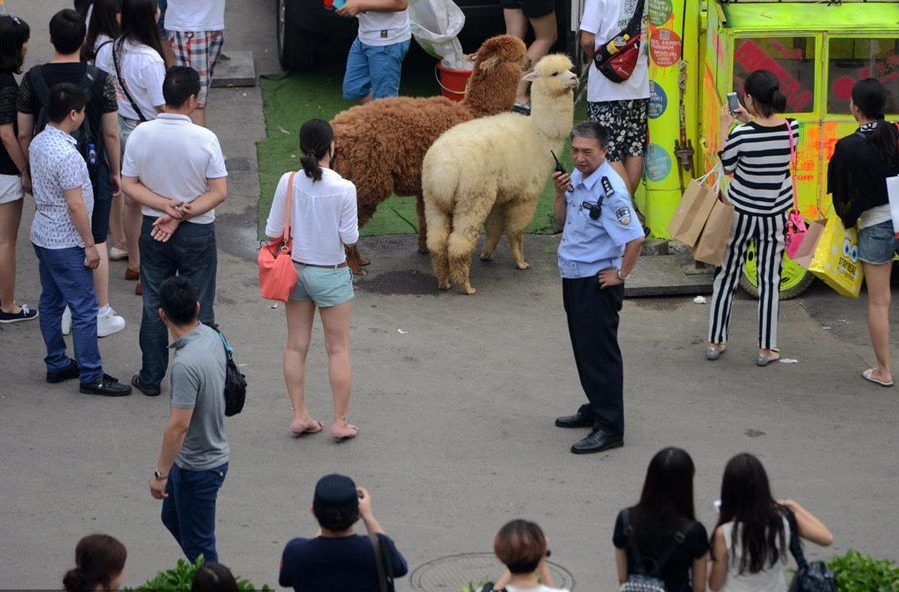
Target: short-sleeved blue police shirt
[(588, 246)]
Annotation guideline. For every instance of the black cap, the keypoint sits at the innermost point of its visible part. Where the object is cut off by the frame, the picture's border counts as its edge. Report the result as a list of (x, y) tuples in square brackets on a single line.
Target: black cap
[(336, 494)]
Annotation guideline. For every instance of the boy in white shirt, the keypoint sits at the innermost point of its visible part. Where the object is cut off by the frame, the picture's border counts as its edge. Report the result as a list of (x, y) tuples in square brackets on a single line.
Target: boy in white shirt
[(375, 61), (196, 31)]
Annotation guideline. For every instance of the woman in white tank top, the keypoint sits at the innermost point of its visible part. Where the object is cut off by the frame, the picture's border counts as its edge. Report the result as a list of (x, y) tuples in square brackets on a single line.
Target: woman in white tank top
[(750, 543)]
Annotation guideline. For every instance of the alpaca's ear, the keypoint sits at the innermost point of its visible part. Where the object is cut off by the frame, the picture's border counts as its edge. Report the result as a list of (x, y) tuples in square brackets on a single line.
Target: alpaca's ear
[(489, 65), (530, 77)]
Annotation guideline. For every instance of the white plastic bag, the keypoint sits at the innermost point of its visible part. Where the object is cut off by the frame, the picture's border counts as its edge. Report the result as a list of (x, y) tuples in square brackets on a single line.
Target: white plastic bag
[(435, 24)]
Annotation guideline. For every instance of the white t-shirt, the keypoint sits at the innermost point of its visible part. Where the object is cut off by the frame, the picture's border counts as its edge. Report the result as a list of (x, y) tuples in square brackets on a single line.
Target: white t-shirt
[(598, 20), (384, 28), (195, 15), (323, 217), (143, 70), (771, 579), (174, 158)]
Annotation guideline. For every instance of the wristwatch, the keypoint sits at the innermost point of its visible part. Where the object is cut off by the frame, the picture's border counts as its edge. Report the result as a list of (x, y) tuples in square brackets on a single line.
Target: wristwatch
[(621, 277), (159, 476)]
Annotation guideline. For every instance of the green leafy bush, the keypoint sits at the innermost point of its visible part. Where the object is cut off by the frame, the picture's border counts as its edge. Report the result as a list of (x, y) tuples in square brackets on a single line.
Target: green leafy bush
[(180, 578), (857, 572)]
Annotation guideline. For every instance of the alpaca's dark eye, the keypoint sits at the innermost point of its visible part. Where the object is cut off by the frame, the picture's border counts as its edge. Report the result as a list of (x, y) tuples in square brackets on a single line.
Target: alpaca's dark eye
[(555, 73)]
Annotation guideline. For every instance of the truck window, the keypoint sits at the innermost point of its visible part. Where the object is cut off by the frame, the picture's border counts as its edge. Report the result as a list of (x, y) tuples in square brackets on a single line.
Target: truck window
[(851, 60), (791, 59)]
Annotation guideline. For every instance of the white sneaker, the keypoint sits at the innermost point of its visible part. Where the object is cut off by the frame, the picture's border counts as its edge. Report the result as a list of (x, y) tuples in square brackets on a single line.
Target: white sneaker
[(117, 254), (109, 323), (66, 321)]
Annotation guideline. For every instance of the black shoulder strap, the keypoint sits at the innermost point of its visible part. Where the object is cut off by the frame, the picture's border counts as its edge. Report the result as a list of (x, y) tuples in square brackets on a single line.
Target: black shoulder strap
[(679, 538), (379, 561), (636, 22), (795, 543), (118, 71), (39, 85)]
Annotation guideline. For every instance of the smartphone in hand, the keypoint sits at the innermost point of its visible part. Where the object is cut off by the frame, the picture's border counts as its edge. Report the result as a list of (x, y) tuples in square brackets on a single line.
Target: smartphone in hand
[(733, 102)]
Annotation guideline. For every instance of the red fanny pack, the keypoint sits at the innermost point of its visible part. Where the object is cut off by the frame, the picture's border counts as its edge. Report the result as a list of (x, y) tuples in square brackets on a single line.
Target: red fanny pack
[(618, 66)]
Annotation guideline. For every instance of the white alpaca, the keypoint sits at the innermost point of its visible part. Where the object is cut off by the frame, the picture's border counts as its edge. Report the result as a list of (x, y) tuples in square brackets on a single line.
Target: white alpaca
[(492, 171)]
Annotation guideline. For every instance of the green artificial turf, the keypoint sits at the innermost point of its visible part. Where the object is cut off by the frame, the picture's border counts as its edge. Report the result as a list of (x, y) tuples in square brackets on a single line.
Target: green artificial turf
[(293, 100)]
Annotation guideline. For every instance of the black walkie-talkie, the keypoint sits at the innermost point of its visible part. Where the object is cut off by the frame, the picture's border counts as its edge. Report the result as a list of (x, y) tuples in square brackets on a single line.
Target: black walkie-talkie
[(561, 169)]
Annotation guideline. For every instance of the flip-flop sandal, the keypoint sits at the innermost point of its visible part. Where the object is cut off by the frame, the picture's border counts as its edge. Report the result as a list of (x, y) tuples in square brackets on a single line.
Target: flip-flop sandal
[(869, 376), (764, 360), (313, 428), (347, 436)]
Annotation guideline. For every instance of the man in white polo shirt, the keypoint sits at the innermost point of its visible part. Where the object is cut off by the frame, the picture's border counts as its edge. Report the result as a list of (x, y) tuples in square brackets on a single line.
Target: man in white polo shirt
[(196, 30), (176, 171), (375, 61)]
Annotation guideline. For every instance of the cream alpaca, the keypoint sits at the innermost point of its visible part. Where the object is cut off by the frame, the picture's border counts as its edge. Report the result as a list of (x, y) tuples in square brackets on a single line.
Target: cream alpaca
[(380, 146), (492, 170)]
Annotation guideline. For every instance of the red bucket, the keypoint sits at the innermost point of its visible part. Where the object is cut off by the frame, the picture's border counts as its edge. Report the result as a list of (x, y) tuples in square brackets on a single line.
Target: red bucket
[(452, 82)]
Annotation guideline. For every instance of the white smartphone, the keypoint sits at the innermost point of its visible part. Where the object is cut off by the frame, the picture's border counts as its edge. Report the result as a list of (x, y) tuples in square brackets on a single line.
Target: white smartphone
[(733, 102)]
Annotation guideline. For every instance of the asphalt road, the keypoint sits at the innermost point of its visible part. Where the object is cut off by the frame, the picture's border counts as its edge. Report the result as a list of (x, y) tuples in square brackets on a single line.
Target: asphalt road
[(455, 396)]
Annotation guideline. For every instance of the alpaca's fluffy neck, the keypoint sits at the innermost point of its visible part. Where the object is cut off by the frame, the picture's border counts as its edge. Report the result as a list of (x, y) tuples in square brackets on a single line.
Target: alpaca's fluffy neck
[(493, 93), (552, 115)]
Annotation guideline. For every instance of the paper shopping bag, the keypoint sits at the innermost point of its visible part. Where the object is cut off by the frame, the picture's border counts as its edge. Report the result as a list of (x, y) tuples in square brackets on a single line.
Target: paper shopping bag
[(836, 259), (713, 241), (694, 209), (893, 192), (806, 250)]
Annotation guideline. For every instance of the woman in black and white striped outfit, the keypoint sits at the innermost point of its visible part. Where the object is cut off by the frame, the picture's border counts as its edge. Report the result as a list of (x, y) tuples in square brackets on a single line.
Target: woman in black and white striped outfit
[(758, 154)]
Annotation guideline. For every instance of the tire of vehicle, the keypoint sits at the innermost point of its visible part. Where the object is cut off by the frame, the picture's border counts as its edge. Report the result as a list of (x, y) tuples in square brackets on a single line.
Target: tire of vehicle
[(296, 46), (794, 279)]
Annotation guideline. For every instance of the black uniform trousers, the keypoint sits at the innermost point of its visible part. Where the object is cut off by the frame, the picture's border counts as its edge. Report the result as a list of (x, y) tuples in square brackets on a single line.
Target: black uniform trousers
[(593, 327)]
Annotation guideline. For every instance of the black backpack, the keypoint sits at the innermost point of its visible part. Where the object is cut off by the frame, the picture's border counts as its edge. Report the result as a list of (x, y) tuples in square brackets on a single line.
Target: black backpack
[(89, 134)]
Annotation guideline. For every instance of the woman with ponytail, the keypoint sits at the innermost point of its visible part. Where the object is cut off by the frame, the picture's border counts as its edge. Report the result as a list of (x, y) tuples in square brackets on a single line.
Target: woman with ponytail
[(323, 221), (99, 565), (856, 177), (757, 152)]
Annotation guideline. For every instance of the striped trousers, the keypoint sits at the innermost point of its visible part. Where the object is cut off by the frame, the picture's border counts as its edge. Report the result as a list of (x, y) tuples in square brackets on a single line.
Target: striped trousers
[(768, 234)]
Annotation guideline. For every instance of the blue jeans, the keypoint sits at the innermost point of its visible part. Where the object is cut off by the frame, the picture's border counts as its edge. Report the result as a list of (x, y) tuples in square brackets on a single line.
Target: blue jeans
[(189, 510), (374, 70), (65, 281), (191, 254)]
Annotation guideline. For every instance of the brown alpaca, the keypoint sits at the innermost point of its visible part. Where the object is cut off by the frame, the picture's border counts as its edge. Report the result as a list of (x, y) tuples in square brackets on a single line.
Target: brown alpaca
[(380, 146)]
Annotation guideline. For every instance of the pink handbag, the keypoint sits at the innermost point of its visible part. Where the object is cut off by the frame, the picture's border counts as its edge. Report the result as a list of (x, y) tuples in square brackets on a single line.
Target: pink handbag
[(796, 228), (277, 274)]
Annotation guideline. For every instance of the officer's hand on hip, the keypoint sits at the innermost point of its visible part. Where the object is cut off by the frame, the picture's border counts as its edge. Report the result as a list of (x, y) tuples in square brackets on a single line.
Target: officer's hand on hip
[(608, 278)]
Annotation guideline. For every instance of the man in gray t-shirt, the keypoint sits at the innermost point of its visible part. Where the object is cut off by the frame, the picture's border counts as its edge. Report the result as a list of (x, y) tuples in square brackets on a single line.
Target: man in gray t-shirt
[(193, 460)]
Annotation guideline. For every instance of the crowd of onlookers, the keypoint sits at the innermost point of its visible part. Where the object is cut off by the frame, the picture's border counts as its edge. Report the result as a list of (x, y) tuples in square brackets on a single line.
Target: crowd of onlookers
[(658, 540)]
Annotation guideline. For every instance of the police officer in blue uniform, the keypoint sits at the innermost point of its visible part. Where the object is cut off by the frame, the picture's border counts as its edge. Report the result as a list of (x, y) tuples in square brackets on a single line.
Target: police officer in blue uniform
[(601, 242)]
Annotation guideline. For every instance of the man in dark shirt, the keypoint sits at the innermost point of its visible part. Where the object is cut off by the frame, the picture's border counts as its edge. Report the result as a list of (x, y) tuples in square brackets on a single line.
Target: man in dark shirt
[(338, 559), (67, 31)]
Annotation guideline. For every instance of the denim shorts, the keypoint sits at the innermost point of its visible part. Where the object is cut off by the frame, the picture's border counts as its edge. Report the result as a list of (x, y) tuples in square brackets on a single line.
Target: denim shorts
[(877, 244), (373, 70), (323, 286)]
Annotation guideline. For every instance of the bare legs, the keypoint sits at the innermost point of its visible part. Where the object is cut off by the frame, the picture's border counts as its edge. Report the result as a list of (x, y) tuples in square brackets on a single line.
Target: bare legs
[(10, 216), (633, 166), (336, 324), (877, 279), (131, 221), (116, 229), (101, 277), (546, 31)]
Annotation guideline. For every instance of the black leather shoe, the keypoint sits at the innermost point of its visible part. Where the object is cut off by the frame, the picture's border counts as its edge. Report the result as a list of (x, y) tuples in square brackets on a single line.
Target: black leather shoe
[(135, 382), (598, 441), (106, 387), (578, 420), (61, 375)]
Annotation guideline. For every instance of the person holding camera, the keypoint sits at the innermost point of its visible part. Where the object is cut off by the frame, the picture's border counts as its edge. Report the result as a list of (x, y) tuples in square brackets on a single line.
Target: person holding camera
[(601, 242), (339, 559)]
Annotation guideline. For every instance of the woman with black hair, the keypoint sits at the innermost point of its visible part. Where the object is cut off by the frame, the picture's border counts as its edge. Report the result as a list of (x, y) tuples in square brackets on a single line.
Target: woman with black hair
[(757, 152), (99, 565), (856, 177), (323, 220), (750, 542), (660, 537), (135, 62), (523, 548), (14, 34), (102, 28)]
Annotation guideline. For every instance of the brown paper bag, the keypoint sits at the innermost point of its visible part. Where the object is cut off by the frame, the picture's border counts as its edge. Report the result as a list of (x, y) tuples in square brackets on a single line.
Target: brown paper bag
[(713, 241), (806, 250), (694, 209)]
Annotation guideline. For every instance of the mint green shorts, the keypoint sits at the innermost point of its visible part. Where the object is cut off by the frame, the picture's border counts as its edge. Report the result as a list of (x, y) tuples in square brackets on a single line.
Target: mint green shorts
[(323, 286)]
